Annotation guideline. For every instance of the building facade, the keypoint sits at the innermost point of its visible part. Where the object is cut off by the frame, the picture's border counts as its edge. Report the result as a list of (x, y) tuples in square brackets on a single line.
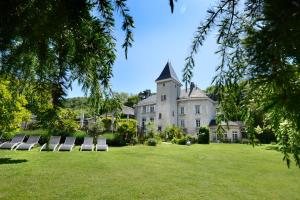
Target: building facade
[(186, 108)]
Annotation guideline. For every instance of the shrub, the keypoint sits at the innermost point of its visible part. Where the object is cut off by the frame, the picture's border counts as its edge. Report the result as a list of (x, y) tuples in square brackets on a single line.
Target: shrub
[(65, 122), (203, 135), (79, 136), (172, 132), (192, 139), (134, 141), (151, 142), (151, 130), (107, 123), (127, 130), (96, 128), (184, 140), (114, 139)]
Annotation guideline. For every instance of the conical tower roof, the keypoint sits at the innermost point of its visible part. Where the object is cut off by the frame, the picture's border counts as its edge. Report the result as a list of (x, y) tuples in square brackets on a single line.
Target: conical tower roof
[(168, 73)]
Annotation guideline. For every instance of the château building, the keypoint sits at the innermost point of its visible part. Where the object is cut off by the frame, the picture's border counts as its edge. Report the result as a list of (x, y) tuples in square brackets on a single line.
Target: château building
[(188, 108)]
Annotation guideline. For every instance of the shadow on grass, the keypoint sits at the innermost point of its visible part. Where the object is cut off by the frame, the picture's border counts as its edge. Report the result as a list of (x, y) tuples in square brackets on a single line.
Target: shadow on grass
[(4, 161)]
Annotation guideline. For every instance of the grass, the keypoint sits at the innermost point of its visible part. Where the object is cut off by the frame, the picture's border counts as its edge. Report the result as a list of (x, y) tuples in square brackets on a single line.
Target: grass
[(216, 171)]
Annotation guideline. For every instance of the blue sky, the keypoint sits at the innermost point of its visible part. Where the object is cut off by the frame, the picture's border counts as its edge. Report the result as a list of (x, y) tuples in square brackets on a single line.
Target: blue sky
[(160, 37)]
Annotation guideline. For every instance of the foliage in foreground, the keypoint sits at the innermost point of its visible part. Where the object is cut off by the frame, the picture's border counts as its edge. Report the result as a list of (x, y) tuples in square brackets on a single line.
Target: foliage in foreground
[(12, 107), (259, 48), (54, 43)]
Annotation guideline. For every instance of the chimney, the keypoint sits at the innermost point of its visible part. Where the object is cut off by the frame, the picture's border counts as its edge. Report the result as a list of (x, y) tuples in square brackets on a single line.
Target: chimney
[(192, 86), (147, 93)]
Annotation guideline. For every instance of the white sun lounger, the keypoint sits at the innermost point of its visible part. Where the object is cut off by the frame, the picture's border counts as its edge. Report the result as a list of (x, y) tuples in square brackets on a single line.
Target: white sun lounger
[(53, 143), (13, 143), (29, 144), (87, 145), (68, 144), (101, 145)]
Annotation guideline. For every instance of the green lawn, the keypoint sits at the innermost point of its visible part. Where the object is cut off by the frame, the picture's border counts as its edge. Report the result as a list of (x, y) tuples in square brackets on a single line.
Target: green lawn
[(215, 171)]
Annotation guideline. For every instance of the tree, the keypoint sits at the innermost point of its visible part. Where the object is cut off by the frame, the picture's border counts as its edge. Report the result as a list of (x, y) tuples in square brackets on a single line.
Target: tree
[(132, 100), (144, 94), (65, 123), (12, 108), (111, 104), (259, 45), (54, 43), (123, 96)]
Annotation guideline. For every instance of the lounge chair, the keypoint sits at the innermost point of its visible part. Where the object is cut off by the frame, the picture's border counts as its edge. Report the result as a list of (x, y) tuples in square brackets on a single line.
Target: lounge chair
[(29, 144), (87, 145), (68, 144), (13, 143), (101, 145), (53, 143)]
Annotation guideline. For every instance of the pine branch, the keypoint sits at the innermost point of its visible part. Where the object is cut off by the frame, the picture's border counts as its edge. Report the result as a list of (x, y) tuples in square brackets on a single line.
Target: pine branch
[(199, 38), (127, 26)]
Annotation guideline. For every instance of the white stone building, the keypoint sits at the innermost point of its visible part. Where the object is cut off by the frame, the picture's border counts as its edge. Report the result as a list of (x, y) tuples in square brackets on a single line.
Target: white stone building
[(171, 105)]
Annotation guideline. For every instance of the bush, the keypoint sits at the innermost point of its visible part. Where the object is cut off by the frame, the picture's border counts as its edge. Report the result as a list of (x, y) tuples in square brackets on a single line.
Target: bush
[(184, 140), (96, 128), (192, 139), (203, 135), (66, 122), (79, 136), (151, 130), (127, 130), (114, 139), (172, 132), (107, 123), (151, 142)]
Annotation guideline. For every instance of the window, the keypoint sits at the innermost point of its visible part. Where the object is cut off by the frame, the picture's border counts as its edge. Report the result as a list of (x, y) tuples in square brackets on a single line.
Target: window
[(197, 109), (152, 108), (144, 109), (182, 123), (225, 136), (163, 85), (198, 124), (234, 136), (159, 116), (182, 110), (151, 119), (159, 128), (173, 113), (143, 124), (163, 97), (214, 136)]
